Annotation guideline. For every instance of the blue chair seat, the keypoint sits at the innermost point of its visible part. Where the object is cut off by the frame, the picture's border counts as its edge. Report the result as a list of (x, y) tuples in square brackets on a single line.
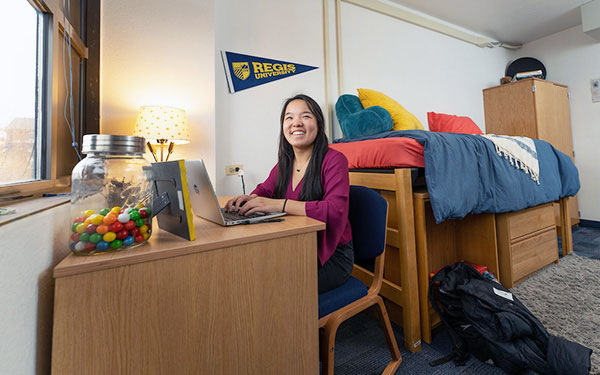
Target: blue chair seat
[(350, 291)]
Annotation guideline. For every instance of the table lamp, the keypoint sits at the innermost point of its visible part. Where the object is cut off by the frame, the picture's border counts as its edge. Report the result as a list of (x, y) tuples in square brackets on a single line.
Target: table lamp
[(161, 125)]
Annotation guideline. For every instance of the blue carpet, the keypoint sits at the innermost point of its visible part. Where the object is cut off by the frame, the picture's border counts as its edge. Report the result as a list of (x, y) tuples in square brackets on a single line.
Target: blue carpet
[(361, 348)]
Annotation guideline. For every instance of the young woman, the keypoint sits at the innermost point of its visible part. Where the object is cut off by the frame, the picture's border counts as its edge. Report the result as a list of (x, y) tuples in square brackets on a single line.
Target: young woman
[(312, 180)]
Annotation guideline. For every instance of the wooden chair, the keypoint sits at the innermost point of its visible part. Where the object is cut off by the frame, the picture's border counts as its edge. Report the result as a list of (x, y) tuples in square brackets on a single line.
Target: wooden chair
[(368, 218)]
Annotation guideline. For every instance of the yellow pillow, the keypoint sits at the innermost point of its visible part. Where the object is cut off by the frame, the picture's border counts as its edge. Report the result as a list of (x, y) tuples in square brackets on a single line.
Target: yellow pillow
[(403, 120)]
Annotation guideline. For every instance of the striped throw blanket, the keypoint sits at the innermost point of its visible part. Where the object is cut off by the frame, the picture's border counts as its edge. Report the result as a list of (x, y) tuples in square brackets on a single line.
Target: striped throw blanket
[(519, 151)]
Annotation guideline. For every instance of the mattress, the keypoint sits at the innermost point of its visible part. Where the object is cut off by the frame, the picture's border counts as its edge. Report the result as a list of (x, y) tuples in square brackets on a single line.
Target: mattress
[(382, 153)]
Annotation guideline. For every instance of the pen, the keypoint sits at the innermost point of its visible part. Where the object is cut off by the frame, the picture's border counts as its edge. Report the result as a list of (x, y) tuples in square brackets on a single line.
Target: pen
[(272, 220), (55, 194)]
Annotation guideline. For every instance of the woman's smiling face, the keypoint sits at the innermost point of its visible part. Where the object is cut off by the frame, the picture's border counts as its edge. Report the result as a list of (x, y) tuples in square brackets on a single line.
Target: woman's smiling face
[(299, 125)]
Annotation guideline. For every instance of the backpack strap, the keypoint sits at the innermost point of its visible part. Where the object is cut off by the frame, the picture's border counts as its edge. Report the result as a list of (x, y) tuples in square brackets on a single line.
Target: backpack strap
[(459, 346)]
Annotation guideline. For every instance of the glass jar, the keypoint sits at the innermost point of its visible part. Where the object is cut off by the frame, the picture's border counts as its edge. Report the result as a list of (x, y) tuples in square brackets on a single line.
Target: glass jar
[(111, 195)]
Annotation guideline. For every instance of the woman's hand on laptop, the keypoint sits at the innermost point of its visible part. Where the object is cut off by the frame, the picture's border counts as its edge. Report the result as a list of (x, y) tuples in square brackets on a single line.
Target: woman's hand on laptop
[(260, 204), (235, 203)]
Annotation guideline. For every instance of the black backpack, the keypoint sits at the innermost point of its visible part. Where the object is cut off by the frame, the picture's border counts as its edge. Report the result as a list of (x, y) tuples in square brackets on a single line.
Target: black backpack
[(486, 320)]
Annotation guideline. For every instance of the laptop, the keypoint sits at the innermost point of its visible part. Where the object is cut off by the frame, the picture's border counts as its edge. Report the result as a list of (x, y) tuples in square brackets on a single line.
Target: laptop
[(204, 200)]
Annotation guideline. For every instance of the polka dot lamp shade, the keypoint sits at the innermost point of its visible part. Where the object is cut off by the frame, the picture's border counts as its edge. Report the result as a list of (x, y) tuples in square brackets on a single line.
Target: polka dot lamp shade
[(162, 123)]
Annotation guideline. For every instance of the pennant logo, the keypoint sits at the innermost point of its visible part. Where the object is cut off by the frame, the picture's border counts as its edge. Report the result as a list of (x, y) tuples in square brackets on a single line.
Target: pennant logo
[(241, 70), (245, 71)]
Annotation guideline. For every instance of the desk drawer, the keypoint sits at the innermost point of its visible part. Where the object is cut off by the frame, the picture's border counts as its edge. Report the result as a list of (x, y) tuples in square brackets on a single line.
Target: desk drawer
[(531, 220), (534, 253)]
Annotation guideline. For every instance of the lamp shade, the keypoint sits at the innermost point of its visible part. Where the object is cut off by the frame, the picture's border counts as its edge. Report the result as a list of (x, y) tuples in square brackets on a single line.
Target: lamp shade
[(162, 123)]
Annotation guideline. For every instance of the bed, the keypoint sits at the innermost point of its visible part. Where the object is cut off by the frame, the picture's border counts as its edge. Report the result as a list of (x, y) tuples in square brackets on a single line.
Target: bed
[(397, 165)]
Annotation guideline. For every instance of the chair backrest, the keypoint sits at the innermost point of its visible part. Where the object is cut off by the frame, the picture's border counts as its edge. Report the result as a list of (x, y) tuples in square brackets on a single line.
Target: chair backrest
[(368, 220)]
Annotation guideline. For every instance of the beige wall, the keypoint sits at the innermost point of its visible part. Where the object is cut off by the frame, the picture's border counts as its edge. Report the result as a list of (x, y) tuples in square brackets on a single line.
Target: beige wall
[(29, 250), (159, 53)]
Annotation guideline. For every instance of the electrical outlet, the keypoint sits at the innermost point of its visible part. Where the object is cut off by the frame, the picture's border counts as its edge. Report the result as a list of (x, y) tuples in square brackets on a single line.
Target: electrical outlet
[(234, 169)]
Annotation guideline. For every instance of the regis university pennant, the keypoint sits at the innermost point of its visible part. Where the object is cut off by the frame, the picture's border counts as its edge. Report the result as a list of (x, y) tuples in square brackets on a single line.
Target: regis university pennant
[(245, 71)]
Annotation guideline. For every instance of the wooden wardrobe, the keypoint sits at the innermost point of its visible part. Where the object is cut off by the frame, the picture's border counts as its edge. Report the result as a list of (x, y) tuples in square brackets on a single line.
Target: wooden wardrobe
[(533, 108)]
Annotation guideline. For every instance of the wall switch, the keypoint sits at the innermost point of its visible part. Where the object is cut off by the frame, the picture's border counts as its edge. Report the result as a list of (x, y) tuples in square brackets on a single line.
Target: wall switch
[(595, 83), (234, 169)]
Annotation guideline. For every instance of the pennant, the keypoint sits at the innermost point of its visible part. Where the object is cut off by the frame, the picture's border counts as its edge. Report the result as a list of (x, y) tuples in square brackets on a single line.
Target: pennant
[(245, 71)]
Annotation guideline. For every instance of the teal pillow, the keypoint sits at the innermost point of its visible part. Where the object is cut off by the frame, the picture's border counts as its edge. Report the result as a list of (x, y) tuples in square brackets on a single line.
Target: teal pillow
[(357, 121)]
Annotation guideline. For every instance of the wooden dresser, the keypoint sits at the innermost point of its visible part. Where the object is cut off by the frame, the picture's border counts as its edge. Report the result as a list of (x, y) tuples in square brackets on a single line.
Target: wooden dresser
[(526, 242), (533, 108)]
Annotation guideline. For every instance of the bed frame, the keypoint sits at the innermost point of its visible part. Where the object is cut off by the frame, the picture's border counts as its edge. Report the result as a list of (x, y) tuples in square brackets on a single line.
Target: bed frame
[(402, 271), (400, 285)]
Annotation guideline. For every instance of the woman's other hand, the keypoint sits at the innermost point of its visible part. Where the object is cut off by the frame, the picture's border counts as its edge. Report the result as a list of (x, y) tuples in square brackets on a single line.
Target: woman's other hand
[(235, 203)]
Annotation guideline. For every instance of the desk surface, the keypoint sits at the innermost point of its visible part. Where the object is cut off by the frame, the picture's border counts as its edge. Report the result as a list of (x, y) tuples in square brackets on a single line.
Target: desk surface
[(209, 236)]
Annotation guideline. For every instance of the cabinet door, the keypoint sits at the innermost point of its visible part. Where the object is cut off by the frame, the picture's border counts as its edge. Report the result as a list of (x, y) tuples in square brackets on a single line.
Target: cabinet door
[(510, 109), (554, 119)]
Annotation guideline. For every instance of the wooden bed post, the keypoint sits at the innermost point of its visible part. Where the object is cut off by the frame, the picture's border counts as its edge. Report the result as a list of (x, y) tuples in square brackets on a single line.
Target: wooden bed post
[(408, 258), (565, 227)]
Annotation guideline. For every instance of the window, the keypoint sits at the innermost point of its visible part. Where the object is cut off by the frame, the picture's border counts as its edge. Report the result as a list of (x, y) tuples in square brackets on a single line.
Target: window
[(48, 90), (19, 151)]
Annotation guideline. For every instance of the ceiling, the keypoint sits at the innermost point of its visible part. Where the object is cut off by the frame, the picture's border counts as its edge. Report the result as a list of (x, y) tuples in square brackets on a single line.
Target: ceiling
[(509, 21)]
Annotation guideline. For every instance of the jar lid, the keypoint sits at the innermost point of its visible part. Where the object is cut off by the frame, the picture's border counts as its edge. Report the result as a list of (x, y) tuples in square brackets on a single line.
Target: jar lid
[(112, 144)]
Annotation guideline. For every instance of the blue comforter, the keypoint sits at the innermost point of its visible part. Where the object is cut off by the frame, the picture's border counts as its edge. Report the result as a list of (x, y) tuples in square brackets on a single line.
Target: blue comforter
[(465, 175)]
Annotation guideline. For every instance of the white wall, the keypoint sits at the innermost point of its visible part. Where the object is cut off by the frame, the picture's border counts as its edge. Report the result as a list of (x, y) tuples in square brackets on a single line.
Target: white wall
[(159, 53), (247, 122), (30, 249), (421, 69), (573, 58)]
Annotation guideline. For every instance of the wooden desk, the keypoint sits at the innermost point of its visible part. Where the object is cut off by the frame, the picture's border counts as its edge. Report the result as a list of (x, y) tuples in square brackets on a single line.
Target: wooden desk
[(238, 300)]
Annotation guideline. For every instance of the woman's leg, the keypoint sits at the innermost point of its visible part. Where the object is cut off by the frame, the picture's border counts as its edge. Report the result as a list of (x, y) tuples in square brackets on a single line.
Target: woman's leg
[(337, 269)]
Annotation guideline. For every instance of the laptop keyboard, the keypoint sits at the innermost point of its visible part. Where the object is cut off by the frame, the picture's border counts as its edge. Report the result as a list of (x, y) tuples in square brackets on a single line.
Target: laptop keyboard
[(232, 216)]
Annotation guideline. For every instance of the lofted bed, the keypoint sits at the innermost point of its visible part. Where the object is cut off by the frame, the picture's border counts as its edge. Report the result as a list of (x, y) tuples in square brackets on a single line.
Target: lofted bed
[(418, 242)]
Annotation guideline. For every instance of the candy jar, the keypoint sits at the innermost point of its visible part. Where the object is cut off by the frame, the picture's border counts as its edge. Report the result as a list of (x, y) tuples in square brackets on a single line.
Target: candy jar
[(111, 195)]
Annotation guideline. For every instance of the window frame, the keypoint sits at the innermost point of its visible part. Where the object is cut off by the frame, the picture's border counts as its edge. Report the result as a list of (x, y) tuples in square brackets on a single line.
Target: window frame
[(49, 125)]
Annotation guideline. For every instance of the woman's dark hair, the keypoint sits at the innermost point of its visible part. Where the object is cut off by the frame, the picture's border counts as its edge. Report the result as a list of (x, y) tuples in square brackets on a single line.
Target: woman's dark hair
[(311, 187)]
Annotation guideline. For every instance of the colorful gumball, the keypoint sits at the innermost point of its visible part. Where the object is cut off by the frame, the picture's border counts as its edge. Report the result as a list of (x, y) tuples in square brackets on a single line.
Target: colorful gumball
[(145, 235), (84, 237), (123, 218), (122, 234), (140, 222), (128, 241), (143, 213), (139, 238), (79, 219), (89, 246), (74, 227), (91, 228), (73, 245), (110, 218), (104, 211), (95, 238), (148, 210), (144, 229), (134, 215), (102, 245), (98, 219), (102, 228), (135, 232), (75, 237), (129, 225), (115, 210), (116, 244), (115, 227), (79, 246), (80, 228), (88, 213), (109, 237)]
